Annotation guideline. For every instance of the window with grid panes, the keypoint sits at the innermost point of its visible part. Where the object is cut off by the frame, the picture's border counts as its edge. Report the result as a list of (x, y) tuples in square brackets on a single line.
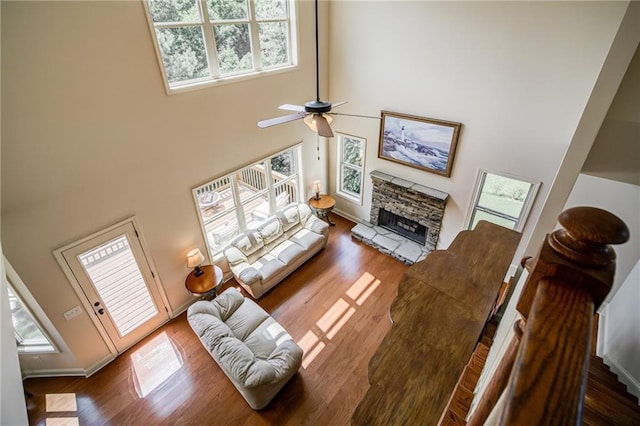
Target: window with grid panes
[(203, 41)]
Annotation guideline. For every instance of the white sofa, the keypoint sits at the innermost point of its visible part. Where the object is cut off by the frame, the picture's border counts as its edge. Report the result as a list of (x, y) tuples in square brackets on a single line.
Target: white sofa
[(261, 258), (251, 348)]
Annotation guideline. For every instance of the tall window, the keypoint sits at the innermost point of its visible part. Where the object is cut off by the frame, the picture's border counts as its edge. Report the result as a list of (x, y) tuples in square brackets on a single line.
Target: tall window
[(351, 151), (245, 198), (502, 199), (200, 41), (30, 336)]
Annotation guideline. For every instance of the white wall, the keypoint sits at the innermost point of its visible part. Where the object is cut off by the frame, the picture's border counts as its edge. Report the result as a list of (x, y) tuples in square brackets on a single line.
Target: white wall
[(619, 329), (91, 137), (621, 199), (517, 75), (618, 333)]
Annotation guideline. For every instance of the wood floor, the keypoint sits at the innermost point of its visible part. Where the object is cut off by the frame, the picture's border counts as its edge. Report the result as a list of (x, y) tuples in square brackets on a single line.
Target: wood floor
[(339, 299)]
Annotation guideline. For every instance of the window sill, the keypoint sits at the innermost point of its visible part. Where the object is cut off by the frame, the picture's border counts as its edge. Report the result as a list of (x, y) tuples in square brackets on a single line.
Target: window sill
[(350, 198), (206, 83)]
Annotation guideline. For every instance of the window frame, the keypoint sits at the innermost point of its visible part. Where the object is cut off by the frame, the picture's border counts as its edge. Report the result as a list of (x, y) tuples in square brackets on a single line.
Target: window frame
[(356, 198), (206, 26), (521, 220), (31, 307), (215, 253)]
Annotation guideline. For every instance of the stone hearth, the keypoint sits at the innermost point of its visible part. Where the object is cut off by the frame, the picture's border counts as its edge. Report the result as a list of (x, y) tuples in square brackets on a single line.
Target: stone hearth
[(407, 199)]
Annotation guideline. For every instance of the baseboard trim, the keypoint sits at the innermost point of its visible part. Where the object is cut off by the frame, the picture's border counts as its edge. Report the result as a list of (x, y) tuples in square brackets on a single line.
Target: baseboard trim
[(29, 374), (346, 215), (98, 365), (633, 386)]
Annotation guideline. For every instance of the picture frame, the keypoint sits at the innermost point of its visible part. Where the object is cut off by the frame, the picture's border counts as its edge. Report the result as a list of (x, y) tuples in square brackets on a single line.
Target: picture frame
[(423, 143)]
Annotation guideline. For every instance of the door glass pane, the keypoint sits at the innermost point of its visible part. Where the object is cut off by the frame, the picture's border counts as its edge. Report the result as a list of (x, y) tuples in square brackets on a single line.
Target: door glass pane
[(504, 195), (114, 273), (234, 47)]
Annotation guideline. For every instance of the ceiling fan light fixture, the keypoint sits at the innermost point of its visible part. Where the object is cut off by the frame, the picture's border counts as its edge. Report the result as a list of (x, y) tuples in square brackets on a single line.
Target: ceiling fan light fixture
[(310, 121)]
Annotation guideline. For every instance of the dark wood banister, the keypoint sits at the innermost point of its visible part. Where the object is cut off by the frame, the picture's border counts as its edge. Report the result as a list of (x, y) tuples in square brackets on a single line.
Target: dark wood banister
[(568, 280)]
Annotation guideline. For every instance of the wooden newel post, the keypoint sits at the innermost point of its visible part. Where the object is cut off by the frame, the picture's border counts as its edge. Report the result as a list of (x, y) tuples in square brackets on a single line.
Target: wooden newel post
[(569, 279)]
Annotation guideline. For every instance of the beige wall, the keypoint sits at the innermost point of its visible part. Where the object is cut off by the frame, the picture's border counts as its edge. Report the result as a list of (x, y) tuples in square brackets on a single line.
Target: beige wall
[(616, 151), (91, 137), (517, 75)]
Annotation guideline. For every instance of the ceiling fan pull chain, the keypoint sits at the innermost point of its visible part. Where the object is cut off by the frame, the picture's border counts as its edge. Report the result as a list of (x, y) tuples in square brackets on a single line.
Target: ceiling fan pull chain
[(318, 145)]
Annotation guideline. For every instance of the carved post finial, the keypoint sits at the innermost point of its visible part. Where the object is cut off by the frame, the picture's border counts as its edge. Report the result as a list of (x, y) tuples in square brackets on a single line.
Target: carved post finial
[(587, 233)]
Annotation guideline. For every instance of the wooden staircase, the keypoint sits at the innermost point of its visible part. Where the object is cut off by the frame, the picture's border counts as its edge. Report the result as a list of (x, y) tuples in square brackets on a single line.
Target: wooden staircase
[(607, 401)]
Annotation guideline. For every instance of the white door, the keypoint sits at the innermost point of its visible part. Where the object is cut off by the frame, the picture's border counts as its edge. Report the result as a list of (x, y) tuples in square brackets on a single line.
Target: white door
[(114, 276)]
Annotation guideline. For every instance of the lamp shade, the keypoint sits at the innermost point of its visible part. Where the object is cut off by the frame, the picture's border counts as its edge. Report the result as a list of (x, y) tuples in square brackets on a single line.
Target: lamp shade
[(310, 121), (316, 186), (194, 258)]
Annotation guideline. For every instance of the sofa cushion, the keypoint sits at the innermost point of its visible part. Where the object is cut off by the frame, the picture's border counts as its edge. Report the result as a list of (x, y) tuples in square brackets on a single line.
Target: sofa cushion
[(270, 230), (307, 239), (287, 252), (249, 275), (266, 338), (289, 216), (268, 266), (246, 319), (248, 242)]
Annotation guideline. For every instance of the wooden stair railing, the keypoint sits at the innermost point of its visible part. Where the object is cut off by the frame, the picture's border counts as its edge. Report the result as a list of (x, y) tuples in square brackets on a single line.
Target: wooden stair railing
[(568, 280)]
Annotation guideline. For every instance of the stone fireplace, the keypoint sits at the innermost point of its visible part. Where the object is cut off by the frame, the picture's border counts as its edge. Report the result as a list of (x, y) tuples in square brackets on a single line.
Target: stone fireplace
[(405, 218)]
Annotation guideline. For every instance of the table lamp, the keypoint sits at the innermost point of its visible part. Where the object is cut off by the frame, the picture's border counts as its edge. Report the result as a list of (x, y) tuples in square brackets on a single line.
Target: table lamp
[(194, 260), (316, 189)]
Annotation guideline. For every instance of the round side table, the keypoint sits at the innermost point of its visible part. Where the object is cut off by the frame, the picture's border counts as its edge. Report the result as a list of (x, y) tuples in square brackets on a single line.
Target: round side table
[(207, 284), (322, 206)]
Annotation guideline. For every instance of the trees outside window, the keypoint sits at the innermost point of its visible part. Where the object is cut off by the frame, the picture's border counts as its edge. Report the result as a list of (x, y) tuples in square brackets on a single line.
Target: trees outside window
[(502, 199), (351, 150), (200, 41)]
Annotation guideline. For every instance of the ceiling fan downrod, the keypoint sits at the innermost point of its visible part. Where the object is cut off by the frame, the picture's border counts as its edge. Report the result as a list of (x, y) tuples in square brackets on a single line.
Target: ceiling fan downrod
[(317, 106)]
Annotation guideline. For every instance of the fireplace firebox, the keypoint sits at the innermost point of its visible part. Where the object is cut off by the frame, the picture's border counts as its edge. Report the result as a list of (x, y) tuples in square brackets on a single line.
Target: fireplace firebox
[(403, 226)]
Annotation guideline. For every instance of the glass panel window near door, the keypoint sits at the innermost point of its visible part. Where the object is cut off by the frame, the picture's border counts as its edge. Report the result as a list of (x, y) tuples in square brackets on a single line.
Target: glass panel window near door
[(502, 199), (200, 42)]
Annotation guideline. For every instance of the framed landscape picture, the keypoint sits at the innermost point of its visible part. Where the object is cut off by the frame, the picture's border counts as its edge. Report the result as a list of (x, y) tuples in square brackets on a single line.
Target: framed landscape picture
[(423, 143)]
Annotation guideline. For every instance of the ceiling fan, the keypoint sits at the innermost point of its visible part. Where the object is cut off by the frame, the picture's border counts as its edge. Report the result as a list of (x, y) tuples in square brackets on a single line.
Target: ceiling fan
[(316, 113)]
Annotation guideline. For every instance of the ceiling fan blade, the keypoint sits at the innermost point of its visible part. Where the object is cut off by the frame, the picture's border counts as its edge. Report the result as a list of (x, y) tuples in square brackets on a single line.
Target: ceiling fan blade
[(279, 120), (337, 104), (289, 107), (323, 126)]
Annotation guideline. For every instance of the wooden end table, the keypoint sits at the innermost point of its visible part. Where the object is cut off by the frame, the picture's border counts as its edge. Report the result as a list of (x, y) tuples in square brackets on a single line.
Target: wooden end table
[(207, 284), (322, 206)]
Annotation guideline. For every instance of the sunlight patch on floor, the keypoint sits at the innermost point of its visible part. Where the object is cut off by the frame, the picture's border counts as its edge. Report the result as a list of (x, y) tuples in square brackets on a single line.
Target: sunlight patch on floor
[(336, 317), (57, 402), (154, 363), (333, 320), (62, 421), (311, 347), (362, 288)]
